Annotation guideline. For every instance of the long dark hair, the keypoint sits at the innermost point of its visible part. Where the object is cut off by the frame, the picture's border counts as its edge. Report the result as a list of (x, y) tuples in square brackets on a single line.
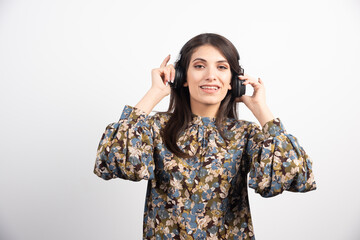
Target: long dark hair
[(179, 105)]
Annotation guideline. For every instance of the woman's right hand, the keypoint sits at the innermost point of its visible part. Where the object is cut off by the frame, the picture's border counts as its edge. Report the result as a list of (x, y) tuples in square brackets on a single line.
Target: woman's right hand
[(160, 87), (162, 76)]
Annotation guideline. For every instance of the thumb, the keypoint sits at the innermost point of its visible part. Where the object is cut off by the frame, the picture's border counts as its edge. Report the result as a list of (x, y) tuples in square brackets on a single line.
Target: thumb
[(243, 98)]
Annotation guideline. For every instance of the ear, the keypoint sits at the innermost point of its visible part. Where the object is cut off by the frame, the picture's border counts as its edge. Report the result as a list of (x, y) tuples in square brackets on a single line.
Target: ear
[(185, 84), (231, 79)]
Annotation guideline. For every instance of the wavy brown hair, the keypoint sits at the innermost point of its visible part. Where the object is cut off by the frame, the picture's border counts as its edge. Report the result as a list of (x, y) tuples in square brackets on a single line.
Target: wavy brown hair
[(179, 105)]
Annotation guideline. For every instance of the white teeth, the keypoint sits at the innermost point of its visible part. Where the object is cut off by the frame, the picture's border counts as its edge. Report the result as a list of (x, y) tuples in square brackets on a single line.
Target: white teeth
[(208, 87)]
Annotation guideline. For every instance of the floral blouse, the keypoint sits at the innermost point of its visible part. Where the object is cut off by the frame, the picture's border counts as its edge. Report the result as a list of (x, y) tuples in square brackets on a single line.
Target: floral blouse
[(205, 196)]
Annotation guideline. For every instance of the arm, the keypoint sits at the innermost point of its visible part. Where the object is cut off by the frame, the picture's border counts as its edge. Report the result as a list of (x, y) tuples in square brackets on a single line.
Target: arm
[(126, 148), (159, 88), (277, 161)]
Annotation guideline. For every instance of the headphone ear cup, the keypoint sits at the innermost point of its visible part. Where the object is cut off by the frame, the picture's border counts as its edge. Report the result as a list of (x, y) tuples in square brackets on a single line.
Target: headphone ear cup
[(242, 88), (238, 87), (234, 84), (178, 79)]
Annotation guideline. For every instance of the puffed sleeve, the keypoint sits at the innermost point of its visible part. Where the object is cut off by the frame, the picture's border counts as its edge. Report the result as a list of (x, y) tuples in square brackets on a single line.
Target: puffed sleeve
[(126, 148), (277, 161)]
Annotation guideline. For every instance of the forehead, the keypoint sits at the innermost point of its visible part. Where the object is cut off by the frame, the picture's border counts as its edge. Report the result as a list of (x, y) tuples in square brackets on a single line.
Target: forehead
[(207, 52)]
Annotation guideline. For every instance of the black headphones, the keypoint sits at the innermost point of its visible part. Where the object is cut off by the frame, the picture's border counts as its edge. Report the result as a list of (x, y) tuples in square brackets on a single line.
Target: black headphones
[(237, 87)]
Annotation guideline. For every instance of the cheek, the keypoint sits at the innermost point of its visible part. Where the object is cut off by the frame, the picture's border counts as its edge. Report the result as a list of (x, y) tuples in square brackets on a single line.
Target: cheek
[(227, 82), (193, 78)]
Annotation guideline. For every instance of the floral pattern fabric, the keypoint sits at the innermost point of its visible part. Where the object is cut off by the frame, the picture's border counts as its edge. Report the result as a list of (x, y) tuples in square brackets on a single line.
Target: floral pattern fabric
[(205, 196)]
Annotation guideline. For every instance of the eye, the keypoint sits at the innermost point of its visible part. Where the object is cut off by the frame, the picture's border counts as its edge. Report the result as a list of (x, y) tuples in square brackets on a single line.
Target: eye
[(198, 66), (223, 67)]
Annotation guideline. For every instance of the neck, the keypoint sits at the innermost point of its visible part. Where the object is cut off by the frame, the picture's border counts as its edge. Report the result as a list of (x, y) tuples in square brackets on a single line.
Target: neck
[(206, 110)]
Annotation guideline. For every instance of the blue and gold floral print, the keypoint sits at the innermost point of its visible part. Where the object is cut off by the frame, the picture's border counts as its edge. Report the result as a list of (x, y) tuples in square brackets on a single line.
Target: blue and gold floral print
[(204, 196)]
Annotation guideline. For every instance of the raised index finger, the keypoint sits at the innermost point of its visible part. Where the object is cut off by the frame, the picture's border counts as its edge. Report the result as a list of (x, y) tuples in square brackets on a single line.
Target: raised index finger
[(166, 60)]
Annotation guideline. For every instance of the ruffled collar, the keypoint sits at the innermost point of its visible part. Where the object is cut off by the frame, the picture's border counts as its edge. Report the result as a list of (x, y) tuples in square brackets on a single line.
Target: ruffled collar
[(203, 121)]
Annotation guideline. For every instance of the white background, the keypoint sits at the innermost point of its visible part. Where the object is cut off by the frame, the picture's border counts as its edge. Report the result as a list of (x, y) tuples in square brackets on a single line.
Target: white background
[(68, 67)]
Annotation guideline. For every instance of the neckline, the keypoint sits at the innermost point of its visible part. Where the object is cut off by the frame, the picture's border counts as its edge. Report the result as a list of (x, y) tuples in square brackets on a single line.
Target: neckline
[(203, 120)]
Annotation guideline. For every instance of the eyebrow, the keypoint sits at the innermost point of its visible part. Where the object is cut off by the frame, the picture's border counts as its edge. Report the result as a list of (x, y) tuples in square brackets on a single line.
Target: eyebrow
[(201, 59)]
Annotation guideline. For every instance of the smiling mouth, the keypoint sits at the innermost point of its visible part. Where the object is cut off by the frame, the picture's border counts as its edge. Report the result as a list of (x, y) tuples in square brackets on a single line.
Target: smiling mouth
[(209, 87)]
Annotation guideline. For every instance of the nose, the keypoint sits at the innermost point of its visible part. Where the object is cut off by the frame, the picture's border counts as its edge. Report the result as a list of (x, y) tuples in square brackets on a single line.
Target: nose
[(211, 74)]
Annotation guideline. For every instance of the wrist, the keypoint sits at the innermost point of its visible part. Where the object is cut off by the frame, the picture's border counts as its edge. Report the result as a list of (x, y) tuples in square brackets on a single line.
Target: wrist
[(157, 93), (150, 100), (262, 113)]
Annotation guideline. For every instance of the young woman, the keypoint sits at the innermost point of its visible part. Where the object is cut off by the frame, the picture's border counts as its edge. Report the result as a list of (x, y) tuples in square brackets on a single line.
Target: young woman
[(197, 155)]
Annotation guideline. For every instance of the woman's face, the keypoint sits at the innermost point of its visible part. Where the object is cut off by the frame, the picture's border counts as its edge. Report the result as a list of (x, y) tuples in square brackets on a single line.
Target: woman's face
[(208, 79)]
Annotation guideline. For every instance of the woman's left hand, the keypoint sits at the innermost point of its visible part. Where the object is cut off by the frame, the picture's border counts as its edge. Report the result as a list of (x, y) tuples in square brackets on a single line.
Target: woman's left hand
[(258, 97), (257, 102)]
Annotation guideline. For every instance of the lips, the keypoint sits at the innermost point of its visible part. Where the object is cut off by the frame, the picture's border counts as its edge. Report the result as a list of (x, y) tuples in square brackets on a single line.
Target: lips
[(210, 87)]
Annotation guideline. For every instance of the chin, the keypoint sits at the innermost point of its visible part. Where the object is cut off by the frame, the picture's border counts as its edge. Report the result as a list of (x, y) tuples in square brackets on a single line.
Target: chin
[(215, 100), (208, 100), (212, 101)]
